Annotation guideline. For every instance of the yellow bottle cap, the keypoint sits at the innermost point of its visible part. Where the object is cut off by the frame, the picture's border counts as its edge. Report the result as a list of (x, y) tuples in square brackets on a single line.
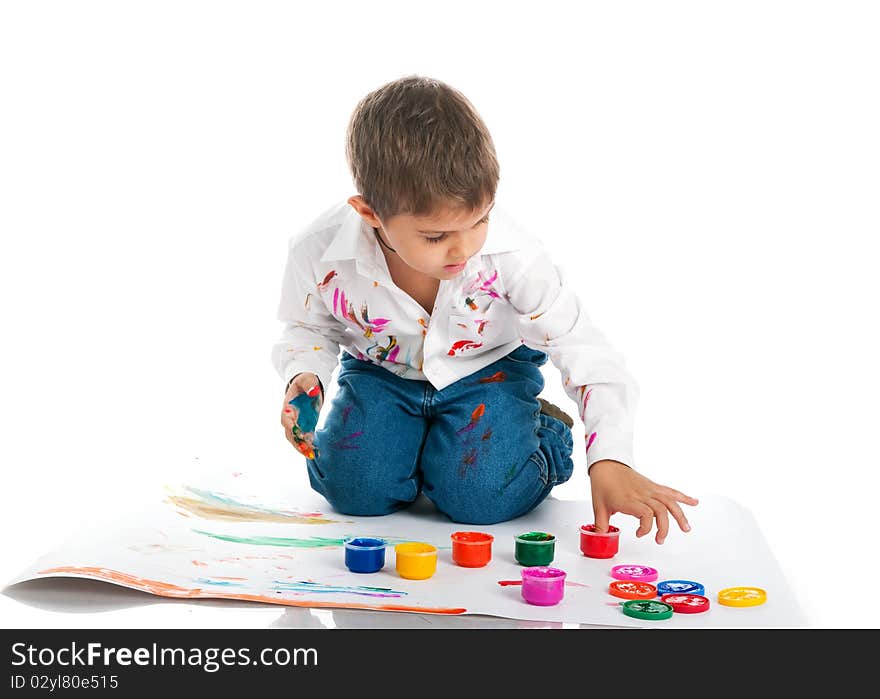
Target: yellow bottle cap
[(742, 596)]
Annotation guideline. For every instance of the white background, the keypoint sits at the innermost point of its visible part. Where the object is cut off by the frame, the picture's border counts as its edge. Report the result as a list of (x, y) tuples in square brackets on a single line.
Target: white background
[(706, 172)]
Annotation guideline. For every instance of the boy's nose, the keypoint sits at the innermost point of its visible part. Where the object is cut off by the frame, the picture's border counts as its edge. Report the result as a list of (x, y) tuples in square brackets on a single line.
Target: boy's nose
[(456, 253), (460, 250)]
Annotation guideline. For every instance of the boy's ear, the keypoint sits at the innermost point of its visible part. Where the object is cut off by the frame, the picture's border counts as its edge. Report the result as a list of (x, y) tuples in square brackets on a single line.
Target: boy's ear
[(358, 203)]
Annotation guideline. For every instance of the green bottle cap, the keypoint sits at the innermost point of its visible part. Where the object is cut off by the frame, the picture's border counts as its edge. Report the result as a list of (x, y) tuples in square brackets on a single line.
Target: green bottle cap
[(651, 610)]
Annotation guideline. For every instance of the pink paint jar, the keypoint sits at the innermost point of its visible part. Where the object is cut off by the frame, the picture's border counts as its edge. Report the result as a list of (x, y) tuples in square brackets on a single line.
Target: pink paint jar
[(599, 544), (542, 585)]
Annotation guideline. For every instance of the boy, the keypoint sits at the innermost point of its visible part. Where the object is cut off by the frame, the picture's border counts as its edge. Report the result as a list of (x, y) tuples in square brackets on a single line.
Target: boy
[(445, 319)]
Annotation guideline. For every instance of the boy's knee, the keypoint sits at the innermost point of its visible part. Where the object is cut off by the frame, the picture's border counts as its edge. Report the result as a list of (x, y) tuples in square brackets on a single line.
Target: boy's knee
[(361, 499), (463, 514), (477, 501), (343, 503)]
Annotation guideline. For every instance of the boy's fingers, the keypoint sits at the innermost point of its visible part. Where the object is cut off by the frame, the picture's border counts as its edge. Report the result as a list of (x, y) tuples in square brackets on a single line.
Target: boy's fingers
[(313, 391), (307, 384), (678, 496), (678, 514), (683, 523), (601, 516), (290, 438), (288, 416), (646, 521), (662, 521)]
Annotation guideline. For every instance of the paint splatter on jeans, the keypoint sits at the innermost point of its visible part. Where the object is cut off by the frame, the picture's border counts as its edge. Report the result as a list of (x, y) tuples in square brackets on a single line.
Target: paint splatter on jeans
[(479, 449)]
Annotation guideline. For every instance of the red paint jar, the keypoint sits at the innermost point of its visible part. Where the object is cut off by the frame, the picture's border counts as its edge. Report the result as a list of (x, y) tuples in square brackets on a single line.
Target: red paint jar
[(599, 544), (472, 549)]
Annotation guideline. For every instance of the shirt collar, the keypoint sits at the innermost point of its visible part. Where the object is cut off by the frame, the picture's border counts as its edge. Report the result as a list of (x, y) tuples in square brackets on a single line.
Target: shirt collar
[(505, 235), (345, 244), (354, 238)]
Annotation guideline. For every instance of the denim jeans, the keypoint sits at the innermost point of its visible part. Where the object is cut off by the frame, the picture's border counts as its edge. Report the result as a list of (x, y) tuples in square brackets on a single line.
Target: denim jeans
[(479, 449)]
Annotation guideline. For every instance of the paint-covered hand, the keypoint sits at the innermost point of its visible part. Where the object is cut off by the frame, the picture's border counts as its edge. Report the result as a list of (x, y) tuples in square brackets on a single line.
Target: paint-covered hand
[(617, 488), (299, 413)]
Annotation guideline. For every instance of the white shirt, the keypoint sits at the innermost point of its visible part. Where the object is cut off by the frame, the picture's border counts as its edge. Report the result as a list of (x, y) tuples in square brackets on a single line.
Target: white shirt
[(337, 293)]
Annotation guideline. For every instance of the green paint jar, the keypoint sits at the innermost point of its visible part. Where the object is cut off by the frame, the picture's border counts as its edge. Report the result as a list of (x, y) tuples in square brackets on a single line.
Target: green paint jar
[(534, 548)]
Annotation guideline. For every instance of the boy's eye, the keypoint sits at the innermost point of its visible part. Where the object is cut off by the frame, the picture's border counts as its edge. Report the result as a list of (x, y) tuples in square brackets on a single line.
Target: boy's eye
[(438, 238)]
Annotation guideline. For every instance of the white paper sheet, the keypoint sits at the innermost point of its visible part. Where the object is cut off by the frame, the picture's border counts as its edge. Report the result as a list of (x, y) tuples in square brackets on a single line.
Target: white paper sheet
[(237, 543)]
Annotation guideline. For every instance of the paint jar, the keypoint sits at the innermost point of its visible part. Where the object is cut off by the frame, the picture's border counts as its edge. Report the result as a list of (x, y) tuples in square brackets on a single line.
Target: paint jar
[(416, 560), (534, 548), (542, 585), (599, 544), (472, 549), (364, 554)]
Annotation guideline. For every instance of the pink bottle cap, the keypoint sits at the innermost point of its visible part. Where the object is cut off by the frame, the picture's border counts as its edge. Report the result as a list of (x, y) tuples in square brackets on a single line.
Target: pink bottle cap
[(634, 572)]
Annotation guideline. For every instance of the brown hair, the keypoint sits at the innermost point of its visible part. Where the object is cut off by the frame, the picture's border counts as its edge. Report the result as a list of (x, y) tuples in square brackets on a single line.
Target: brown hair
[(416, 144)]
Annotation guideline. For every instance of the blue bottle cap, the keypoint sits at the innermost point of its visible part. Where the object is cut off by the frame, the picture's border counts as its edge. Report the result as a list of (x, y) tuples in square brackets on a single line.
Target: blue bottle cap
[(680, 587)]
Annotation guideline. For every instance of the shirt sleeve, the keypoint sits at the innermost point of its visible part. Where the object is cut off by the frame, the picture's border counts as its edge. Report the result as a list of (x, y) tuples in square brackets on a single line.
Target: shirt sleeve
[(551, 318), (311, 336)]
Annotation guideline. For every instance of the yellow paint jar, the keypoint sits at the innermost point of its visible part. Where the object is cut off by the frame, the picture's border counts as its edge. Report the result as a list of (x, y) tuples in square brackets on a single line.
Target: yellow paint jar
[(416, 560)]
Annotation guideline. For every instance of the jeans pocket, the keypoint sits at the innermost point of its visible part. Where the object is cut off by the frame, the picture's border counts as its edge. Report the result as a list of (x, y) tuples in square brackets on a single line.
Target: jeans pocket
[(543, 471), (526, 355)]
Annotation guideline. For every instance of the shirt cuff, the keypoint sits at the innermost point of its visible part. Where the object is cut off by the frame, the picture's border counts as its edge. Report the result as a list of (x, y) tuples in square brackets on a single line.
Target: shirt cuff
[(602, 445)]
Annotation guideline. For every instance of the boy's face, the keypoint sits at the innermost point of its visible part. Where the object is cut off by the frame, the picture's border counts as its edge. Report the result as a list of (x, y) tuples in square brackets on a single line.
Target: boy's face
[(436, 244)]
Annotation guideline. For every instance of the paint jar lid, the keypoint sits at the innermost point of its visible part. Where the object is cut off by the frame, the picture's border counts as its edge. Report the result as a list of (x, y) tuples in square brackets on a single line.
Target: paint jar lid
[(590, 529), (632, 589), (651, 610), (481, 538), (542, 574), (629, 571), (364, 543), (415, 548), (680, 587), (742, 596), (535, 538), (686, 604)]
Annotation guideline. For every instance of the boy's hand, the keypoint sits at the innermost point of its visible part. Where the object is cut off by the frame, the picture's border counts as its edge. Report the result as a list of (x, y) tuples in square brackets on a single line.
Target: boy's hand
[(617, 488), (308, 384)]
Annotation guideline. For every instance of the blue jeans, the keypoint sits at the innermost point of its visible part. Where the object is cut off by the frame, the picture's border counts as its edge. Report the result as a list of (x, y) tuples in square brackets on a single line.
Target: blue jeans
[(479, 449)]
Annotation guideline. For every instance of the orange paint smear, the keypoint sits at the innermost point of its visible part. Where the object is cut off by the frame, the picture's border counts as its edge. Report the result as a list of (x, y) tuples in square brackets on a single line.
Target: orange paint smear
[(497, 377), (163, 589)]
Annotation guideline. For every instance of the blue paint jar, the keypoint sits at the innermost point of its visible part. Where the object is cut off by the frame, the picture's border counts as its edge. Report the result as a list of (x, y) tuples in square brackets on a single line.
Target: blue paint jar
[(364, 554)]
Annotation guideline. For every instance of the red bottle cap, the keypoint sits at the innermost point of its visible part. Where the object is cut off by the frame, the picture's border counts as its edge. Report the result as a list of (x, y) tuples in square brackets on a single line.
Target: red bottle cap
[(686, 604)]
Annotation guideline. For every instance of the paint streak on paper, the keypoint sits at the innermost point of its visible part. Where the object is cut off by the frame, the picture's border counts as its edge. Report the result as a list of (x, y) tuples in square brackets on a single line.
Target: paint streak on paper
[(220, 507), (163, 589)]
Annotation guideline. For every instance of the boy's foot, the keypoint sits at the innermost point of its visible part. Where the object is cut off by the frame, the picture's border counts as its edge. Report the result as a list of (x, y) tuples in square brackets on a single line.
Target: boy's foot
[(548, 408)]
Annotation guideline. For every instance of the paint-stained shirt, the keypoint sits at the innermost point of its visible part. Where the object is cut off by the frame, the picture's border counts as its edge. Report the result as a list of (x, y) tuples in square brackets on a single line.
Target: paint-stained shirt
[(337, 293)]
